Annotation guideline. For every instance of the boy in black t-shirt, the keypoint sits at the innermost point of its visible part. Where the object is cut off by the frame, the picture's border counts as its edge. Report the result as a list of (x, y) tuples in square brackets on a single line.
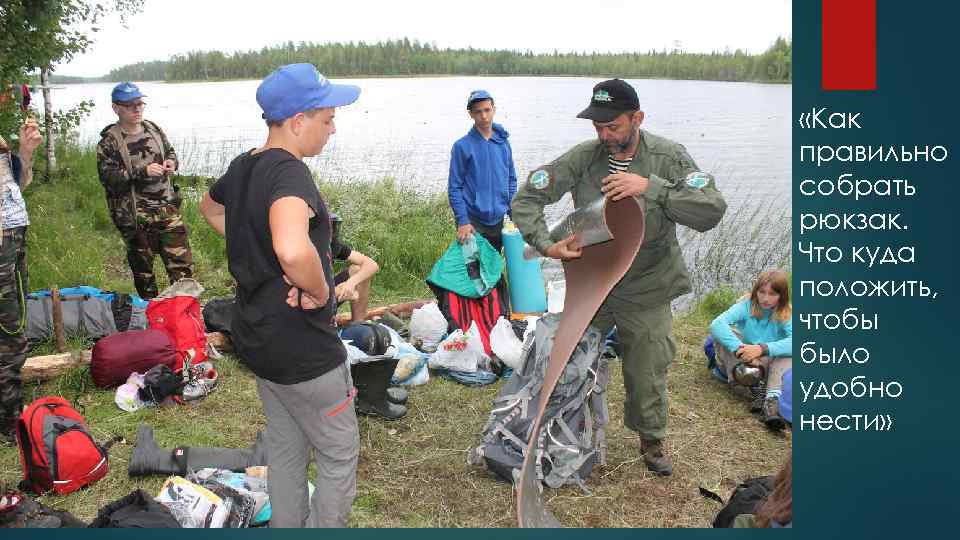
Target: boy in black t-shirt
[(278, 234), (353, 283)]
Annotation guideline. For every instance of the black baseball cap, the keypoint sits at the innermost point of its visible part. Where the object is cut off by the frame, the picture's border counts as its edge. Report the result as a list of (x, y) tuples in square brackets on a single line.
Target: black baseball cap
[(609, 100)]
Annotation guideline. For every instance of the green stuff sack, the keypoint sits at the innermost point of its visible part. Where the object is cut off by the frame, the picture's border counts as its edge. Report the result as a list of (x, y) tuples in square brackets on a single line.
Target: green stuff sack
[(471, 269)]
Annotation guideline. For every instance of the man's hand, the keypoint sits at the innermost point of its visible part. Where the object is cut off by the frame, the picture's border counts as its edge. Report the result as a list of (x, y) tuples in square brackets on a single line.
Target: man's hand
[(346, 292), (154, 169), (749, 353), (169, 166), (297, 298), (566, 249), (623, 184), (30, 137), (464, 232)]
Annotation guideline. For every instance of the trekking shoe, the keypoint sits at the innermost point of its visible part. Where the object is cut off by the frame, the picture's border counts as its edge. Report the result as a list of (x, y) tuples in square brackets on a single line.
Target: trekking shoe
[(758, 393), (770, 414), (718, 374), (654, 457), (203, 379)]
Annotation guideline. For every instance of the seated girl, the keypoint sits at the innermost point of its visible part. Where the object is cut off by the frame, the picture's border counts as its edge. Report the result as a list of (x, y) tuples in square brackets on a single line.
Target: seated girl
[(754, 342)]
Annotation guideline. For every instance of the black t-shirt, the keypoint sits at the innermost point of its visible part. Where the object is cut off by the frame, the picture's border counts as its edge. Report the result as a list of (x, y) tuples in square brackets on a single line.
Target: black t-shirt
[(279, 343)]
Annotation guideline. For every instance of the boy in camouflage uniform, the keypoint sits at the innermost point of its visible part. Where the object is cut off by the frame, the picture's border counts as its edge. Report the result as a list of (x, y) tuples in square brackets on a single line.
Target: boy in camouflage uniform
[(134, 160)]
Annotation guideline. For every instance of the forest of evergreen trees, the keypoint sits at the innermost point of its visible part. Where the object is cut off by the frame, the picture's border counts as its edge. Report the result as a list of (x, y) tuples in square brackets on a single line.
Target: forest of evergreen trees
[(404, 57)]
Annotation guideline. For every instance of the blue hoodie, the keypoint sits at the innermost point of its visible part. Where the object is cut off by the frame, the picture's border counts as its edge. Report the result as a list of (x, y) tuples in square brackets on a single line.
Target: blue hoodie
[(482, 179), (778, 335)]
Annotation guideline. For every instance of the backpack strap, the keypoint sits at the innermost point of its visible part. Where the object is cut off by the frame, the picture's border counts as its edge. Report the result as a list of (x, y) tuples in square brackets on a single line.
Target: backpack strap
[(118, 137)]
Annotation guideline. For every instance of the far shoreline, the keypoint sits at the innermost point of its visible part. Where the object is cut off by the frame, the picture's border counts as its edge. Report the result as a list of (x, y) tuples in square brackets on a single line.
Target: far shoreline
[(442, 76)]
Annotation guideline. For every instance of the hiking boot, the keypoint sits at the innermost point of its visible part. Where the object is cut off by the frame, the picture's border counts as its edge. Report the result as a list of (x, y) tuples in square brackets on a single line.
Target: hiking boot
[(770, 414), (758, 393), (656, 460), (747, 375)]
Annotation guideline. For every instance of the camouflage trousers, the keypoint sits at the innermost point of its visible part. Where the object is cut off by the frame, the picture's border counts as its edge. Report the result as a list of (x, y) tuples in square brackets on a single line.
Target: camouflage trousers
[(13, 340), (157, 234)]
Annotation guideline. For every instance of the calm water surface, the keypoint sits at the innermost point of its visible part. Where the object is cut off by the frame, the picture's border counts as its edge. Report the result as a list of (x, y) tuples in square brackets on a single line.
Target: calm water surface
[(404, 128)]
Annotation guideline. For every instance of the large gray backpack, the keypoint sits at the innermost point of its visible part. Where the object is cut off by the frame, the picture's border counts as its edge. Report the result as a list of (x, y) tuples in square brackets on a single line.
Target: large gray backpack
[(572, 440)]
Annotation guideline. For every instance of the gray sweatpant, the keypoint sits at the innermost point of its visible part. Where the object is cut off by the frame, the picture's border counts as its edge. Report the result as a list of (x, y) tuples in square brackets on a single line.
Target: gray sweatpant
[(313, 415)]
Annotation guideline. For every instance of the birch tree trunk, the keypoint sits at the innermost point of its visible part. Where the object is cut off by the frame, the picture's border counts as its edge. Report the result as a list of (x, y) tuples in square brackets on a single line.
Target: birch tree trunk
[(48, 121)]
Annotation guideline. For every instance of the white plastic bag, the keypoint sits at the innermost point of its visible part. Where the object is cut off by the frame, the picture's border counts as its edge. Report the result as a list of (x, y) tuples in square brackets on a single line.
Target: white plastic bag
[(192, 505), (427, 327), (460, 351), (505, 345), (411, 370)]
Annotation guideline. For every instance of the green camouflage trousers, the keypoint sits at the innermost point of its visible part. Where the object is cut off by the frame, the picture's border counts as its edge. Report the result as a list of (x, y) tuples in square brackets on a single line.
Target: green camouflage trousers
[(161, 234), (13, 340), (648, 350)]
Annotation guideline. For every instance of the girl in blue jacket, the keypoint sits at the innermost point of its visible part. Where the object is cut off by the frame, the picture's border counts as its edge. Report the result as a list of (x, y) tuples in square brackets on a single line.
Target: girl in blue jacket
[(754, 340)]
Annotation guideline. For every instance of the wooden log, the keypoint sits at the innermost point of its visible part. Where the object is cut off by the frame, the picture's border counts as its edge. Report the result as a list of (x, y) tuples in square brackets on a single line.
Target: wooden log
[(41, 368), (404, 308), (57, 314)]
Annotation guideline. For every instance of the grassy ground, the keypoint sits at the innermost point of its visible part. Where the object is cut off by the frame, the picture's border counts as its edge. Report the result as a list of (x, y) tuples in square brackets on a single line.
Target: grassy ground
[(412, 472)]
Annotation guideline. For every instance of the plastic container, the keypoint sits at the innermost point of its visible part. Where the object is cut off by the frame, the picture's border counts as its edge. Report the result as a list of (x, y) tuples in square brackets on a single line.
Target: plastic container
[(527, 292), (556, 291)]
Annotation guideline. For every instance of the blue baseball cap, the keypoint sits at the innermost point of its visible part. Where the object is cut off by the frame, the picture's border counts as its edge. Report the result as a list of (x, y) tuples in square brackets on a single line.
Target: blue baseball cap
[(477, 95), (296, 88), (125, 91)]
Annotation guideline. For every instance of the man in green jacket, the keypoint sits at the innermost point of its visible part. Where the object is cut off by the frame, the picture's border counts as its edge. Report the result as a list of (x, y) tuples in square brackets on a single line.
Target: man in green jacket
[(626, 161)]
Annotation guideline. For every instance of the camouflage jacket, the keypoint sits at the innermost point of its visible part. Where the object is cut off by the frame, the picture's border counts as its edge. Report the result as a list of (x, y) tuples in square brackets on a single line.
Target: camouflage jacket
[(658, 273), (124, 177)]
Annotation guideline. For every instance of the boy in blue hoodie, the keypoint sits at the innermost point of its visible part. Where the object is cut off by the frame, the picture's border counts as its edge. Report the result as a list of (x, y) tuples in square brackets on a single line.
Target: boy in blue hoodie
[(482, 179)]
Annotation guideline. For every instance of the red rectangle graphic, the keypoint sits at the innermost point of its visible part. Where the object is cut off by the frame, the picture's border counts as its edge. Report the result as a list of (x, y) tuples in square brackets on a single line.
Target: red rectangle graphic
[(849, 45)]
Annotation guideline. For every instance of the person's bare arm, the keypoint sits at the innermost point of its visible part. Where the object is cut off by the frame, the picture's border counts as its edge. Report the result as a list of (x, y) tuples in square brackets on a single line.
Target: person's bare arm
[(214, 213), (289, 228), (365, 269), (30, 139)]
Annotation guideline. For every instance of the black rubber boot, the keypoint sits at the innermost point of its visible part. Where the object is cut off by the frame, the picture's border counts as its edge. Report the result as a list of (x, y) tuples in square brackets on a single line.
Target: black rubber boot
[(148, 458), (397, 395), (372, 378)]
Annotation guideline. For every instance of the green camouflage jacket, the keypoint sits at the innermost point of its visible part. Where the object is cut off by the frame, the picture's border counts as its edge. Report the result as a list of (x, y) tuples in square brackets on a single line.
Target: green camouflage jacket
[(124, 177), (658, 274)]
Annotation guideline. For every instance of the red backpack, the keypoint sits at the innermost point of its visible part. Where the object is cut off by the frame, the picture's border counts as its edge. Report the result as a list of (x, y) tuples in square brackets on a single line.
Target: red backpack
[(179, 317), (56, 449)]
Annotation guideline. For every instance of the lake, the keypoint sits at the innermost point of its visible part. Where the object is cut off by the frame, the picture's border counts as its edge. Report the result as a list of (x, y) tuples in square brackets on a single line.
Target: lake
[(404, 127)]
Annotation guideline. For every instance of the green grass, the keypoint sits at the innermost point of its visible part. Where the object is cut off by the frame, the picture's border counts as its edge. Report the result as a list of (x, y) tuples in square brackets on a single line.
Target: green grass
[(412, 472)]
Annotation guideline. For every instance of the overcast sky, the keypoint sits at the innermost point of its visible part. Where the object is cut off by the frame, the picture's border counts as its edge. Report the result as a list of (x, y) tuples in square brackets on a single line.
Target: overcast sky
[(167, 27)]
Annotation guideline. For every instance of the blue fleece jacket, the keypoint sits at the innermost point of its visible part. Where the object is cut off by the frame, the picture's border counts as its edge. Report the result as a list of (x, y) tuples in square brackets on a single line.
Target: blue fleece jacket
[(778, 335), (482, 179)]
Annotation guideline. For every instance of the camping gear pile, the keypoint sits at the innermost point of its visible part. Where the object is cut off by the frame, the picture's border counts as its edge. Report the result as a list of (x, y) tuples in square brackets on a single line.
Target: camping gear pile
[(158, 353)]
